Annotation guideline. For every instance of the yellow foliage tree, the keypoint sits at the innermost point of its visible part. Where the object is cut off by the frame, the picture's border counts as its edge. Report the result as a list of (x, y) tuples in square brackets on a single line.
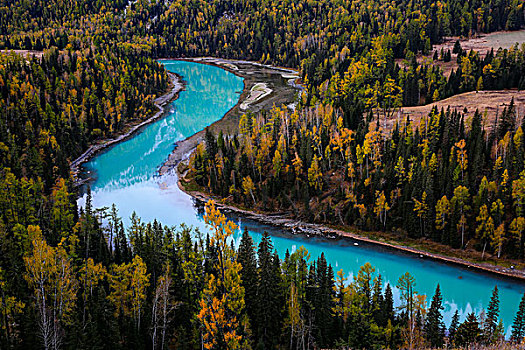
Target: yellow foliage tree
[(381, 207), (128, 283), (315, 176), (498, 239), (222, 305), (485, 228), (442, 210), (51, 276), (248, 187)]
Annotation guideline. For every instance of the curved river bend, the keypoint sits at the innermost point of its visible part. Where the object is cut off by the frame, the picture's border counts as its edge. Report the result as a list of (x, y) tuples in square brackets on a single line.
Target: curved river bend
[(126, 174)]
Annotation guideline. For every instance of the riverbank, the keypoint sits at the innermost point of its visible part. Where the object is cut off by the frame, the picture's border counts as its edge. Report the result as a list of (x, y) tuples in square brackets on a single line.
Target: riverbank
[(294, 226), (264, 87), (176, 85)]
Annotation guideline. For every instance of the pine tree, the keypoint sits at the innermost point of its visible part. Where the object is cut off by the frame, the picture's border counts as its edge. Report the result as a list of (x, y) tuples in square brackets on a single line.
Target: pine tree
[(453, 327), (457, 47), (508, 120), (518, 328), (491, 322), (468, 332), (388, 304), (246, 257), (377, 302), (268, 308), (322, 304), (434, 326)]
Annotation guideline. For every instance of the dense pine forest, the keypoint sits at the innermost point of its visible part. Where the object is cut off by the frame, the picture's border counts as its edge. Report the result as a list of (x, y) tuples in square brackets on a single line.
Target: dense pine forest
[(157, 287), (76, 278)]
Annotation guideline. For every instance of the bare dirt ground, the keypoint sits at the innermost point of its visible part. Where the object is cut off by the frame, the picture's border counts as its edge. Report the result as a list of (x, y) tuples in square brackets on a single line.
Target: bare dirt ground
[(485, 42), (489, 103), (482, 43), (26, 53)]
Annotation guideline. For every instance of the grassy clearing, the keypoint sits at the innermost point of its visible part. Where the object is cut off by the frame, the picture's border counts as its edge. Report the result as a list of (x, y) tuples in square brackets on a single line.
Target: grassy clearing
[(482, 43), (489, 103)]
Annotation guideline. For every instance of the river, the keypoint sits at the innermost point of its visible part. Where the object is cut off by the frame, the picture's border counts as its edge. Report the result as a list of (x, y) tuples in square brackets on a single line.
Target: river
[(126, 174)]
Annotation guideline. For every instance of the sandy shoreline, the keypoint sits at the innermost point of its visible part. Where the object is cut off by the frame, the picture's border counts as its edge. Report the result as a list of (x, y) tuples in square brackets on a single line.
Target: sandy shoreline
[(160, 102)]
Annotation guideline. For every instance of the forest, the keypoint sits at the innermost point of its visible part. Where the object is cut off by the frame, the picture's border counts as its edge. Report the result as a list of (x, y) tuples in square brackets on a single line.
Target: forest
[(150, 286), (76, 278), (457, 182)]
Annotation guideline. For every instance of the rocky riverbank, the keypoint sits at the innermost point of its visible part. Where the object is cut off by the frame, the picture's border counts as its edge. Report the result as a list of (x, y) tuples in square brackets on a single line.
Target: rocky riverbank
[(283, 221)]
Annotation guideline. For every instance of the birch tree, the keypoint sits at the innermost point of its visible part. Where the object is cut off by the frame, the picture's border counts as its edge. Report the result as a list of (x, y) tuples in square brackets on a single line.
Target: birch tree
[(163, 306), (50, 275)]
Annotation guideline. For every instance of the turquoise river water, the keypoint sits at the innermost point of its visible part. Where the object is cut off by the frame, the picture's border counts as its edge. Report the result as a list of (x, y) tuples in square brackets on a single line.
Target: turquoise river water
[(126, 174)]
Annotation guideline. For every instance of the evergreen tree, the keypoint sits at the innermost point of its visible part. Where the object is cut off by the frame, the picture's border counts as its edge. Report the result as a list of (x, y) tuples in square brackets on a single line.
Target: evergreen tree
[(518, 327), (388, 304), (491, 322), (323, 299), (468, 332), (434, 326), (457, 47), (508, 120), (377, 302), (268, 309), (246, 257), (453, 327)]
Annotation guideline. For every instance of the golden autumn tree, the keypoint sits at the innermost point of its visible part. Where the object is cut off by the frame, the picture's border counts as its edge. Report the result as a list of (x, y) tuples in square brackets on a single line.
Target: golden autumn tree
[(91, 275), (50, 275), (498, 239), (315, 176), (442, 211), (421, 210), (381, 207), (485, 229), (248, 187), (414, 304), (128, 283), (461, 156), (221, 314), (460, 204)]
